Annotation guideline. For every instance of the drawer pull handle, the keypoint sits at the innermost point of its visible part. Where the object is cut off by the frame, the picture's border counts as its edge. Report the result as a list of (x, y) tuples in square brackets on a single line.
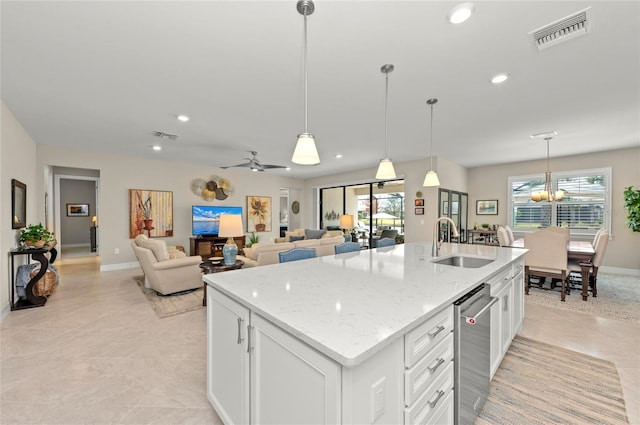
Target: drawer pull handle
[(432, 334), (433, 403), (436, 366), (249, 348)]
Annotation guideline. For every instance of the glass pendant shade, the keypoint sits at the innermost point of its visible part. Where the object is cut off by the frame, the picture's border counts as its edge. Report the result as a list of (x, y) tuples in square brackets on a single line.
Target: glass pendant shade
[(305, 152), (431, 179), (386, 170)]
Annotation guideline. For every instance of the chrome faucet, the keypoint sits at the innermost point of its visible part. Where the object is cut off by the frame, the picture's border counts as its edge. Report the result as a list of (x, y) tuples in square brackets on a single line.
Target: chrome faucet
[(435, 249)]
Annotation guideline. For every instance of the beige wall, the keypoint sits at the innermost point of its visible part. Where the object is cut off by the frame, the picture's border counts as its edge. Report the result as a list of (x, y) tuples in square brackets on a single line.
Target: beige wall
[(624, 246), (118, 174), (17, 156)]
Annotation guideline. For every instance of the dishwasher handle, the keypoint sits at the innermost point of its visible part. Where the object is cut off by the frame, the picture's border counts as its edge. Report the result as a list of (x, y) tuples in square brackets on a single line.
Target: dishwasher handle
[(473, 319)]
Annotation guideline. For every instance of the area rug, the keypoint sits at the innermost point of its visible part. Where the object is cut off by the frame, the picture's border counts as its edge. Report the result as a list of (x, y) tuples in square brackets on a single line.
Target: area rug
[(538, 383), (618, 298), (171, 305)]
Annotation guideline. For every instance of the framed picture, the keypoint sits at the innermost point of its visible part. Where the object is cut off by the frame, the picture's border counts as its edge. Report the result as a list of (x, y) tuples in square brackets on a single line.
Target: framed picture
[(77, 210), (18, 204), (419, 211), (487, 207), (258, 213), (419, 203), (150, 213)]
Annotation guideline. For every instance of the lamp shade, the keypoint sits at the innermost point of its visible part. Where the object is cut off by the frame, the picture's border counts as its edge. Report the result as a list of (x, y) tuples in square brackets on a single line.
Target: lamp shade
[(385, 170), (230, 225), (346, 221), (431, 179), (305, 152)]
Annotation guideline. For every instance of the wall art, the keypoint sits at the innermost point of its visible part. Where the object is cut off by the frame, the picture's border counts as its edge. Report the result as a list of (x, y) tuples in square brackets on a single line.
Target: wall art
[(150, 213)]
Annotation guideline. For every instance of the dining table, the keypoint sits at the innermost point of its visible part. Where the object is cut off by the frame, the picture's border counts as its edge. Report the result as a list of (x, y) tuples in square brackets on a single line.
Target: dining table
[(581, 251)]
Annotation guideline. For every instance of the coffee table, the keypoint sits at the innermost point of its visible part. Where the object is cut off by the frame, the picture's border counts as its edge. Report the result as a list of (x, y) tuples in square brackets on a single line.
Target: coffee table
[(217, 266)]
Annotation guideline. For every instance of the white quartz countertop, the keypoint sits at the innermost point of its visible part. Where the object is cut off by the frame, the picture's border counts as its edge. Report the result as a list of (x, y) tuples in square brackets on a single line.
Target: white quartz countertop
[(350, 306)]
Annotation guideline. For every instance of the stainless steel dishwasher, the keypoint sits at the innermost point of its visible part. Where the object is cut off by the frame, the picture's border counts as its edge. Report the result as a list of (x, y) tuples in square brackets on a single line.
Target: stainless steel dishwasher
[(472, 363)]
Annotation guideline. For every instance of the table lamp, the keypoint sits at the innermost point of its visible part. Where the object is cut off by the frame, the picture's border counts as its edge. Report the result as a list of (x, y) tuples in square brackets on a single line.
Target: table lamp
[(94, 221), (230, 225), (346, 222)]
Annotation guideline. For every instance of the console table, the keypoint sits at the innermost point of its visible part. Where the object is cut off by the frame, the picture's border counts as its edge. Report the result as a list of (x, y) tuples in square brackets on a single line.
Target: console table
[(211, 246), (488, 236), (37, 254)]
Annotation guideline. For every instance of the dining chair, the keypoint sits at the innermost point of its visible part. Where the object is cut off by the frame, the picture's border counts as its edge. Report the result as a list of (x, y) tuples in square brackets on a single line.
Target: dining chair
[(596, 237), (547, 257), (575, 272), (382, 242), (510, 234), (347, 247), (296, 254), (557, 229), (503, 237)]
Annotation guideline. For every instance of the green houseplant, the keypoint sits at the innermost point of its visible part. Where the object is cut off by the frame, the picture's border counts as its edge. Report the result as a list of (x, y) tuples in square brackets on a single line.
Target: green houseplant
[(253, 238), (632, 204), (36, 235)]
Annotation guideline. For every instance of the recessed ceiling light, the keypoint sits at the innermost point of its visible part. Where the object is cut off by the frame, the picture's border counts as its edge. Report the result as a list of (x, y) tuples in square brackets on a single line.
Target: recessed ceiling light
[(157, 147), (460, 13), (499, 78), (183, 118), (338, 155), (288, 168)]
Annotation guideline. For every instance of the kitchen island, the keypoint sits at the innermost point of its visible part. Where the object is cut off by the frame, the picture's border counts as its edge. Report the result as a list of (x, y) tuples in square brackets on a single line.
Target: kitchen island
[(362, 337)]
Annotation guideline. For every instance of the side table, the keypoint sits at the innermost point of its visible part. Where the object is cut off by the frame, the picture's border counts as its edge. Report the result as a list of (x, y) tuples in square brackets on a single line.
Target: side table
[(210, 266), (37, 254)]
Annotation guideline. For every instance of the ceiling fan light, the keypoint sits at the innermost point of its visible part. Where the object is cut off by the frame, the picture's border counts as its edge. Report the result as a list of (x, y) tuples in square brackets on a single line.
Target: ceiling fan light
[(385, 170), (460, 13), (305, 152), (431, 179)]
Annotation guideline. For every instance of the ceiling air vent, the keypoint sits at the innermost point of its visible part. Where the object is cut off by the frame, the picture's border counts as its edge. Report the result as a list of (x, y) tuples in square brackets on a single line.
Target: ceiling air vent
[(562, 30), (162, 135)]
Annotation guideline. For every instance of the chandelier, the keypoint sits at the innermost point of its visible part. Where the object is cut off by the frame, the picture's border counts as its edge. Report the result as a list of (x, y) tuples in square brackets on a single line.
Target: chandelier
[(547, 194)]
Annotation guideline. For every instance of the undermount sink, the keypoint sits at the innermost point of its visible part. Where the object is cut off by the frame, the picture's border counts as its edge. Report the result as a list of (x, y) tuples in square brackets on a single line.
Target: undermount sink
[(466, 262)]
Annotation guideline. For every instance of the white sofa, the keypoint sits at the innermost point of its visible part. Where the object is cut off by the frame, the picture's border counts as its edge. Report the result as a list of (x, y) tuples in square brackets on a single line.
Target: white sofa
[(260, 254), (301, 232)]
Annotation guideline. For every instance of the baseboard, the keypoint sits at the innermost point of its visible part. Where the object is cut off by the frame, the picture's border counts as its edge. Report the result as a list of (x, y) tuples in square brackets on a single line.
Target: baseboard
[(620, 270), (76, 245), (5, 312), (119, 266)]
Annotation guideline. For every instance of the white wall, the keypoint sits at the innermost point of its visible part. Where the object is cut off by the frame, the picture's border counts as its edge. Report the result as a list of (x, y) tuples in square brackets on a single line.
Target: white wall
[(17, 161), (623, 250), (118, 174)]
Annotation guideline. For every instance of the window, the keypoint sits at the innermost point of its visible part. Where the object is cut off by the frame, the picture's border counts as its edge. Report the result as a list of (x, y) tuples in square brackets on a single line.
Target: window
[(585, 208)]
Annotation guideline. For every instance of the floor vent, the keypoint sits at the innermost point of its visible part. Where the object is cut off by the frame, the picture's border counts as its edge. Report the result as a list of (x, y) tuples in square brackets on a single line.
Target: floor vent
[(562, 30)]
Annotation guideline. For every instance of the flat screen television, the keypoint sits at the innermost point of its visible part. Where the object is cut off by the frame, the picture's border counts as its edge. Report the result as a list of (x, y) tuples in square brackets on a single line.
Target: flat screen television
[(205, 218)]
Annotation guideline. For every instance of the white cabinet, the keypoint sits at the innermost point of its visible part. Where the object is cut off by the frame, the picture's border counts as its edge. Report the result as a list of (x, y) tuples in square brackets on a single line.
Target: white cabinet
[(286, 382), (507, 313)]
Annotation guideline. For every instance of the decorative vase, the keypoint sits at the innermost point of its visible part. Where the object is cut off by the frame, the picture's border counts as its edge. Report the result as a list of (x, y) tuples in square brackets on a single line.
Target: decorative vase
[(37, 244), (229, 252), (148, 224), (261, 227)]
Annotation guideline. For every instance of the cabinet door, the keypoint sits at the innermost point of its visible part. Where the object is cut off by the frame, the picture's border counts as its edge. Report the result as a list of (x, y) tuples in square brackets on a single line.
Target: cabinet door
[(291, 383), (227, 358), (506, 303)]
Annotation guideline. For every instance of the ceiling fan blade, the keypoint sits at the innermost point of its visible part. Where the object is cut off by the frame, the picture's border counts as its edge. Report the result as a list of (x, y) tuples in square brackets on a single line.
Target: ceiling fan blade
[(246, 164), (273, 166)]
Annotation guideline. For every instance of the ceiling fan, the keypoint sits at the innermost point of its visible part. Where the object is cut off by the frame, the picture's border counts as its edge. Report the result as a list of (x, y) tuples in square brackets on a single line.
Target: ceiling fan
[(254, 164)]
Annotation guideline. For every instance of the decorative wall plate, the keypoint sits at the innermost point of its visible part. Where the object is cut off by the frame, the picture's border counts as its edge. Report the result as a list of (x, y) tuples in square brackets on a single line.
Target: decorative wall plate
[(214, 188), (295, 207)]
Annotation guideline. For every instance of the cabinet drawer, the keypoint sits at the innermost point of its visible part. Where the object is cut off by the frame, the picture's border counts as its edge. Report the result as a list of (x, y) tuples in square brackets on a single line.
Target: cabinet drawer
[(438, 393), (425, 337), (418, 378), (500, 279)]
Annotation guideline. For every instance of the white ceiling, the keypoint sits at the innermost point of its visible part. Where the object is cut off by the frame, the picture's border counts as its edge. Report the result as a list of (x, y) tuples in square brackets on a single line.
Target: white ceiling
[(104, 76)]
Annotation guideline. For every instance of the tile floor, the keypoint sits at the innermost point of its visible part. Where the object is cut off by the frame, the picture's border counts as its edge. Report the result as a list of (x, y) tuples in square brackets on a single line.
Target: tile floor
[(96, 353)]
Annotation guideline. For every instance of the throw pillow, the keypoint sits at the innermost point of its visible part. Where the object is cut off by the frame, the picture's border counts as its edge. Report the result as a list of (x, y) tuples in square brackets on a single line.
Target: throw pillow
[(313, 234), (295, 238), (159, 248)]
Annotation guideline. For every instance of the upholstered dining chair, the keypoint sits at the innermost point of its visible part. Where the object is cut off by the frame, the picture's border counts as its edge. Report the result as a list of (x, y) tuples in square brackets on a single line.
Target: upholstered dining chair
[(575, 273), (347, 247), (510, 234), (503, 237), (382, 242), (557, 229), (296, 254), (547, 257)]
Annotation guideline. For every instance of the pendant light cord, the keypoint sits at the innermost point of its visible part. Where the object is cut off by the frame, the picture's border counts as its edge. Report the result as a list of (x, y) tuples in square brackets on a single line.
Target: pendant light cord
[(305, 75), (431, 138), (386, 97)]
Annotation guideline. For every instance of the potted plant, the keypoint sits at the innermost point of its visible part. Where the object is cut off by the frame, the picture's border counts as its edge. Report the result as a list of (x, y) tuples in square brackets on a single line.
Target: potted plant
[(253, 239), (632, 204), (259, 210), (36, 235), (145, 210)]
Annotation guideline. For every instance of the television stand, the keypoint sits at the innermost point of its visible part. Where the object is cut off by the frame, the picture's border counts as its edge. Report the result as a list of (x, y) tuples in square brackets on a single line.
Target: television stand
[(211, 246)]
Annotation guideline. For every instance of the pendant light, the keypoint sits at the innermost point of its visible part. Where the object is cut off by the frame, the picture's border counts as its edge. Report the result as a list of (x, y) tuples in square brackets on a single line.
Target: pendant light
[(431, 179), (547, 194), (385, 169), (305, 152)]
